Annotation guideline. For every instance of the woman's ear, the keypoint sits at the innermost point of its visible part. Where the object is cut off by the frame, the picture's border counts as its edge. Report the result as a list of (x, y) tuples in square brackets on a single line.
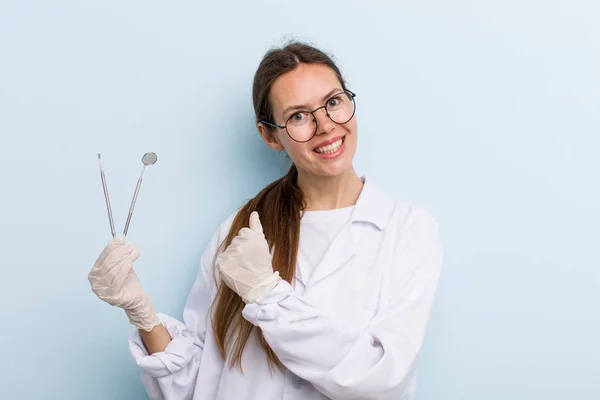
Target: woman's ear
[(269, 137)]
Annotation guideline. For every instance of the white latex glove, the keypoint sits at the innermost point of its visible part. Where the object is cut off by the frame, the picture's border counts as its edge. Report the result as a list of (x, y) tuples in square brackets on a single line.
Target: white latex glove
[(245, 265), (114, 281)]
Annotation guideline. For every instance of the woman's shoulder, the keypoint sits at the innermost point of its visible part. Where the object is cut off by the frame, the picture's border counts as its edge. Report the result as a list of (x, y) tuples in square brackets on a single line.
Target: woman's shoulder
[(391, 212), (407, 213), (225, 226), (218, 237)]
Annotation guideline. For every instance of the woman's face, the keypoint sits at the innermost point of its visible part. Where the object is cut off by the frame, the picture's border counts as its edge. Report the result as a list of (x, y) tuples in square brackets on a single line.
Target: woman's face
[(307, 87)]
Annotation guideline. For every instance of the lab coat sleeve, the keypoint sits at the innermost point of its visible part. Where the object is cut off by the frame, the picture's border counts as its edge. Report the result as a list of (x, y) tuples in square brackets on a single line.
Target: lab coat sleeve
[(171, 374), (378, 362)]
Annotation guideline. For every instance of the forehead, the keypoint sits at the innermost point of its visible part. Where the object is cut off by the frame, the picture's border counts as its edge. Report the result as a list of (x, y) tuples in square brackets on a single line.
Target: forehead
[(305, 85)]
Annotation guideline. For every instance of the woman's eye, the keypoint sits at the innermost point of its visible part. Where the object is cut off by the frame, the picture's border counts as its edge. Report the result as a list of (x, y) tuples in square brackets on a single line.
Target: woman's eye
[(297, 116), (334, 101)]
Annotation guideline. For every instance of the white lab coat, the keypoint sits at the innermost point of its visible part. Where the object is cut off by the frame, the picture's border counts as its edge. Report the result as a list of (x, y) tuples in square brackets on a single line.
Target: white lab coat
[(354, 330)]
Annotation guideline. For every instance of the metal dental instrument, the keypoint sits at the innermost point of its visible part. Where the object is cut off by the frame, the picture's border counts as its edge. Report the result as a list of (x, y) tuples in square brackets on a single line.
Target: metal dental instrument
[(147, 159), (110, 217)]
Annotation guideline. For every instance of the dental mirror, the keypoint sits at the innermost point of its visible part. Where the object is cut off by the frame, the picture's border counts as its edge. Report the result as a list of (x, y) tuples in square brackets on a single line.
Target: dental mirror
[(147, 159)]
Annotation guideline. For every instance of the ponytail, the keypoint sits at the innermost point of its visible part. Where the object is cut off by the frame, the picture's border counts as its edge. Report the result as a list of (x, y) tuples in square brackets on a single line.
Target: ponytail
[(279, 206)]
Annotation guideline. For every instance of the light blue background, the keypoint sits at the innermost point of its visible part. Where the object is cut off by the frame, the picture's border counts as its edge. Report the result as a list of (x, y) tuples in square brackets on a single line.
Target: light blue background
[(485, 112)]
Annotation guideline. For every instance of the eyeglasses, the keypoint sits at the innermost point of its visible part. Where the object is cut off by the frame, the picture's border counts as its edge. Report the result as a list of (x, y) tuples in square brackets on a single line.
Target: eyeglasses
[(301, 126)]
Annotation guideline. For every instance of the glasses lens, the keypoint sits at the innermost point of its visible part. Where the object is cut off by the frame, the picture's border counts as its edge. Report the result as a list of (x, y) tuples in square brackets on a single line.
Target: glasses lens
[(301, 126), (340, 108)]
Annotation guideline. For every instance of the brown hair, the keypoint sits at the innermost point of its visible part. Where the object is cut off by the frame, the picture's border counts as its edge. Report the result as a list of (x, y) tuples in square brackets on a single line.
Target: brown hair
[(279, 205)]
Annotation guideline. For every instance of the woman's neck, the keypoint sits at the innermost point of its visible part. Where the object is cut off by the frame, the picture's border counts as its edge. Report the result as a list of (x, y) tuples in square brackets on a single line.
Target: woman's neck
[(330, 192)]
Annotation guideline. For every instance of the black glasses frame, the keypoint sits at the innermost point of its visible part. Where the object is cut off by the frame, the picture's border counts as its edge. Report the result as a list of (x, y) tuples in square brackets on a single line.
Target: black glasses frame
[(352, 96)]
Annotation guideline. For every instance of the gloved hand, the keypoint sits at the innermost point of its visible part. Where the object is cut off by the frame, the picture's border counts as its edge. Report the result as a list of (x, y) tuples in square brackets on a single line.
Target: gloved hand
[(114, 281), (245, 265)]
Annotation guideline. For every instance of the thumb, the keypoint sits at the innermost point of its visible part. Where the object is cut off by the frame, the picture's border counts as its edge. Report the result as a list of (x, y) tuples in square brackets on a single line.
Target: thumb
[(255, 223)]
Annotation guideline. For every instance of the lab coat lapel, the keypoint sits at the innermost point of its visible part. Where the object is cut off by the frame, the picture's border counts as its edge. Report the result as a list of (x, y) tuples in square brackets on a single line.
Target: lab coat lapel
[(374, 208), (301, 269), (341, 250)]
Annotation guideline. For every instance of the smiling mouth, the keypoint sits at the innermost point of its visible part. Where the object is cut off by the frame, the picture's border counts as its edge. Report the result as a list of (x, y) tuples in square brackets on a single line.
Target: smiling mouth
[(330, 148)]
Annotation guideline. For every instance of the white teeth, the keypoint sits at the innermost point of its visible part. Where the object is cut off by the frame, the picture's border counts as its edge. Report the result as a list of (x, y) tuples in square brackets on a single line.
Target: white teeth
[(331, 148)]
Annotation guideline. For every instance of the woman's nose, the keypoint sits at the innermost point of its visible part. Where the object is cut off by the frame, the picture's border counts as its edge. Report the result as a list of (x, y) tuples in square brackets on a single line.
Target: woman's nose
[(324, 123)]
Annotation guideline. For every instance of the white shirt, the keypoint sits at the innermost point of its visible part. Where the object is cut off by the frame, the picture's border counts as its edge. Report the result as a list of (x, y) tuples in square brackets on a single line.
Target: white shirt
[(352, 329)]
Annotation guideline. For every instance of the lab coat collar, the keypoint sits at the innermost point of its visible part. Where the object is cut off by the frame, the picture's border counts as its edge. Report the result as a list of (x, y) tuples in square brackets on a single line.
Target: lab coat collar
[(373, 205)]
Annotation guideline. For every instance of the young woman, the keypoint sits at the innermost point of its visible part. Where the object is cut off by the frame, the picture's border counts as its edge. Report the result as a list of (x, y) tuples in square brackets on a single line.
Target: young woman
[(319, 287)]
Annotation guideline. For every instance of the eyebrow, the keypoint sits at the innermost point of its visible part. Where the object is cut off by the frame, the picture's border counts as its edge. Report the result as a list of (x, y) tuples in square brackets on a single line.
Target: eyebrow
[(305, 107)]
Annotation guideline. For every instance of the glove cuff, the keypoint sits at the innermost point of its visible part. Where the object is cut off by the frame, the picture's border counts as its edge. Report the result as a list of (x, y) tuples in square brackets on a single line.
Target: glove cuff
[(143, 317), (265, 287)]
